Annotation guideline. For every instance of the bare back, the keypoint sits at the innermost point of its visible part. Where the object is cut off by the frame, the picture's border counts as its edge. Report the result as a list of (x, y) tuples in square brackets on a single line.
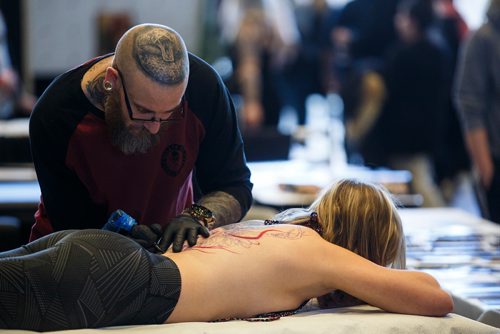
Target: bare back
[(244, 269)]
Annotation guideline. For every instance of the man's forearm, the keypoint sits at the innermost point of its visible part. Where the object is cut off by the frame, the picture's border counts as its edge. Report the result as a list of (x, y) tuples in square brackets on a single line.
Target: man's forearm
[(226, 208)]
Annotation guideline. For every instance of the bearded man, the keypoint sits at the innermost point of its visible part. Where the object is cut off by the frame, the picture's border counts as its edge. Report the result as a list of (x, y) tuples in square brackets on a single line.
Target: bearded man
[(149, 129)]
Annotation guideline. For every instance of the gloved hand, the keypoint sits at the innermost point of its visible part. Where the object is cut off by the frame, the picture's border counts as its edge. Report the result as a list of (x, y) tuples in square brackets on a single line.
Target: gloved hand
[(147, 236), (181, 228)]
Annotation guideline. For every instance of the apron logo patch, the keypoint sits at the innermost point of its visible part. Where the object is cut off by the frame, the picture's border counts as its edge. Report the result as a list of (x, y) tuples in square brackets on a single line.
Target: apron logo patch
[(173, 159)]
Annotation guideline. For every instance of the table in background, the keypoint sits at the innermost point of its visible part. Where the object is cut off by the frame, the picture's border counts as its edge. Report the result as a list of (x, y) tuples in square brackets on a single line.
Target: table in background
[(274, 182), (14, 141), (18, 187), (462, 251), (19, 197)]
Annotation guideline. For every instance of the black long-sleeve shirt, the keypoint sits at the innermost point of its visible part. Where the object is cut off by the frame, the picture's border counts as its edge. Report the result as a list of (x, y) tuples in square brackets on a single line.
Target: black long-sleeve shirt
[(83, 177)]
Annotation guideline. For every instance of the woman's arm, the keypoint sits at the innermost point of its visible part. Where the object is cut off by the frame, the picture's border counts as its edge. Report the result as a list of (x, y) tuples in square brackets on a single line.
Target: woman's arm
[(408, 292), (399, 291)]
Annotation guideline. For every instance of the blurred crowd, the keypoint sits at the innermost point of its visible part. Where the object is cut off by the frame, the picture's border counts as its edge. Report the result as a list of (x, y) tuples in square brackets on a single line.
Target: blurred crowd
[(393, 62), (419, 88)]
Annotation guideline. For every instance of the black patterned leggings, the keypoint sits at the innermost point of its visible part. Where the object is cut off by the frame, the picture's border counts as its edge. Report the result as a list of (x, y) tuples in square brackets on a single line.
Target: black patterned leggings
[(85, 279)]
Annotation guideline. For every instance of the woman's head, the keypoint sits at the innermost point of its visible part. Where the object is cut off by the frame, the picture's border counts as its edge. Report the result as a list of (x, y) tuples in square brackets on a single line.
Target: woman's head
[(363, 218)]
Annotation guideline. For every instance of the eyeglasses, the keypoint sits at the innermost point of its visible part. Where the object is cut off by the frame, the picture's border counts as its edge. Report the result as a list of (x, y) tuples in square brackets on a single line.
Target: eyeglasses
[(175, 114)]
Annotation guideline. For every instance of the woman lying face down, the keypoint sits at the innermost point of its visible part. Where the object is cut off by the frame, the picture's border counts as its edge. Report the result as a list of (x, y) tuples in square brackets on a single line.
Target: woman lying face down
[(95, 278), (296, 256)]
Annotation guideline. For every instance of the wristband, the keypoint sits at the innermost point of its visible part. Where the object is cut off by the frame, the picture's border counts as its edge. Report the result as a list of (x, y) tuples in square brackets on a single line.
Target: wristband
[(203, 215)]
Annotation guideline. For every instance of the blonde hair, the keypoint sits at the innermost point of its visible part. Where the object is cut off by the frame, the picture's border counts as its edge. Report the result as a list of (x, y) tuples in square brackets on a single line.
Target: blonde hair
[(363, 218)]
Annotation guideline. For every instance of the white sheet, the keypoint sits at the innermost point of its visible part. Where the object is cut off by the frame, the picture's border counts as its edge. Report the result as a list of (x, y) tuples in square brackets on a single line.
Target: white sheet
[(351, 320)]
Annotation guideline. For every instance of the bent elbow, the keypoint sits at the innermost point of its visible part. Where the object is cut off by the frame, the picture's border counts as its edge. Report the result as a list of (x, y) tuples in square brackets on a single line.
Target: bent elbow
[(440, 301), (447, 304), (442, 304)]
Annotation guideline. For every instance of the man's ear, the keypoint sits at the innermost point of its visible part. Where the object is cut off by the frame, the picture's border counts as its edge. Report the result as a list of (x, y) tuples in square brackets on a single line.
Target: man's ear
[(111, 75)]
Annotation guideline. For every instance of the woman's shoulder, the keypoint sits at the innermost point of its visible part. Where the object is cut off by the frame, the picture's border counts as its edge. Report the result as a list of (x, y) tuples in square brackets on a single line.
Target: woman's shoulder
[(259, 230), (260, 224)]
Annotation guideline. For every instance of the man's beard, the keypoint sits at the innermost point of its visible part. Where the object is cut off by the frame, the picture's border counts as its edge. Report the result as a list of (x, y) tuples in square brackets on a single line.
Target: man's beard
[(121, 136)]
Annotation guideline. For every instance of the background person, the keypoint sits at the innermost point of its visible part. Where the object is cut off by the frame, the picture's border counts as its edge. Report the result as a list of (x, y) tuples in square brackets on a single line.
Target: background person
[(452, 162), (477, 86), (406, 134), (14, 101), (262, 39)]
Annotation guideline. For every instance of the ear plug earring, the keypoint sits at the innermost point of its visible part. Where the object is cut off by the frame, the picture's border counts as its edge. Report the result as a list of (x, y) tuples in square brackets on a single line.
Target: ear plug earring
[(107, 86)]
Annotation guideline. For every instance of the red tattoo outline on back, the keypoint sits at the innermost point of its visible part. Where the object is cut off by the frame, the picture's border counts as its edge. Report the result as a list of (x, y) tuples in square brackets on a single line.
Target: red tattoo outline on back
[(228, 240)]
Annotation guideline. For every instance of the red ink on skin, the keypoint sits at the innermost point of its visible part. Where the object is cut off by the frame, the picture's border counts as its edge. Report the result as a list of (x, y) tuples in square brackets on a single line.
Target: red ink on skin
[(258, 236), (207, 248), (204, 248)]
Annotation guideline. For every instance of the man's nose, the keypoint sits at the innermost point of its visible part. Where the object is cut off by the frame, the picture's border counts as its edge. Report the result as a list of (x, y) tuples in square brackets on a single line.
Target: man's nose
[(152, 127)]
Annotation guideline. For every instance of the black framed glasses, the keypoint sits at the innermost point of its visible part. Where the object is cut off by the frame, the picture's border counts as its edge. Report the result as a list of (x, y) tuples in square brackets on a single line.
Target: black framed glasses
[(175, 114)]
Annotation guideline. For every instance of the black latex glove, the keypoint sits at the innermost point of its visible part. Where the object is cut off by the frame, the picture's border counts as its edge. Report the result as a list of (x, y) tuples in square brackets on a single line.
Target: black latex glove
[(179, 229), (147, 236)]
